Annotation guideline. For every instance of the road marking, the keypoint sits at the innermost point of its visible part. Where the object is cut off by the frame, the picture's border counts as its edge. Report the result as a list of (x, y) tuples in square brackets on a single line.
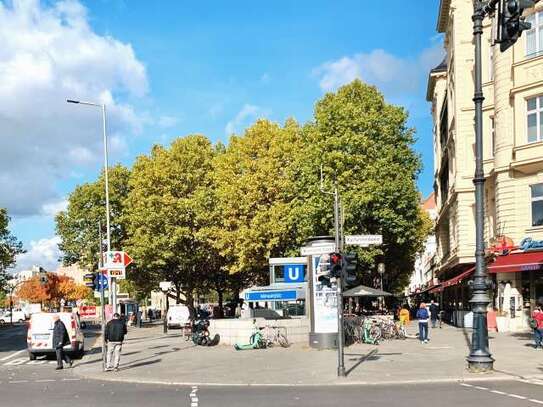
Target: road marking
[(71, 380), (194, 397), (18, 381), (481, 388), (501, 393), (466, 385), (516, 396), (536, 401), (16, 362), (45, 380), (11, 355)]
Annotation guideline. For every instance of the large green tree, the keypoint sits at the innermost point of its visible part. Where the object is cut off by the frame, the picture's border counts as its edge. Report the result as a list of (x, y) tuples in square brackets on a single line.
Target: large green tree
[(254, 193), (166, 210), (77, 226), (10, 247), (365, 146)]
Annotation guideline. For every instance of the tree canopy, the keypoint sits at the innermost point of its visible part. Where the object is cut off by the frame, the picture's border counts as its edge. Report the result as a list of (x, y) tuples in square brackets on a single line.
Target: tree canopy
[(10, 247)]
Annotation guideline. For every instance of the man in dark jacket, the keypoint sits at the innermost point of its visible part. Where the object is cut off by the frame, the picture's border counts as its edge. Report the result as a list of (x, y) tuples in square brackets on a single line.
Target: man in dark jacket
[(60, 339), (434, 313), (115, 332)]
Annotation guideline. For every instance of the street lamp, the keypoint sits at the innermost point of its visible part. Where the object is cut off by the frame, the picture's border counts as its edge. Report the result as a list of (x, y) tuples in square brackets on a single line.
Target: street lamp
[(106, 166), (165, 287)]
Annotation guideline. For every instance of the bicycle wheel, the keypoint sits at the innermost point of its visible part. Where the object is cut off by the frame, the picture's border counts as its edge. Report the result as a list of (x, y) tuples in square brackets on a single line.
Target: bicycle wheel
[(283, 341), (375, 333)]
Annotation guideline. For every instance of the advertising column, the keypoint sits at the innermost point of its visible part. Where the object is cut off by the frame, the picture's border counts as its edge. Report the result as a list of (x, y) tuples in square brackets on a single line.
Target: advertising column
[(323, 305)]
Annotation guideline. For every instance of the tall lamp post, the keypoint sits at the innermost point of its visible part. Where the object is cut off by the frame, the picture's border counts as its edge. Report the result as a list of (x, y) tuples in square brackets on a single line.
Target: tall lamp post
[(381, 271), (113, 287)]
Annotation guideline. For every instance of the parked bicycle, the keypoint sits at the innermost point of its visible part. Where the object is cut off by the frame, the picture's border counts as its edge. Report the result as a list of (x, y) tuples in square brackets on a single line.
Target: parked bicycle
[(276, 335)]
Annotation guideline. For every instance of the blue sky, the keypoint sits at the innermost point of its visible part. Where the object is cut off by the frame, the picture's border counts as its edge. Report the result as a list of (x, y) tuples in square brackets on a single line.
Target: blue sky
[(172, 68)]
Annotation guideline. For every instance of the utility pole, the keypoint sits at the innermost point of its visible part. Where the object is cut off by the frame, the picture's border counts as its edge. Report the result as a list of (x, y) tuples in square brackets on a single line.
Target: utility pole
[(102, 298)]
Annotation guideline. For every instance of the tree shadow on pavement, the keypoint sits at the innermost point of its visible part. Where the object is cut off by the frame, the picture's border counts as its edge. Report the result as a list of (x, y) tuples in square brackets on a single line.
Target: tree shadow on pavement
[(140, 364), (372, 355)]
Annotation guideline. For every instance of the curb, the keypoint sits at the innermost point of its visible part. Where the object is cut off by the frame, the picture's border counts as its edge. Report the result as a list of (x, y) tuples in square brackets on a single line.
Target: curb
[(484, 378)]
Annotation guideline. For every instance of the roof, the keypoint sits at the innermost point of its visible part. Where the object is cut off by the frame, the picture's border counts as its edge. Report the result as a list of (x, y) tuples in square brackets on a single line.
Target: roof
[(364, 291), (439, 70), (443, 15), (429, 203)]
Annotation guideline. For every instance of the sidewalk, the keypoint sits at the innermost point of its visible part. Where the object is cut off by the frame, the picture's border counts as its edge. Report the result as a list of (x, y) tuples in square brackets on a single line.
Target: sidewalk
[(149, 356)]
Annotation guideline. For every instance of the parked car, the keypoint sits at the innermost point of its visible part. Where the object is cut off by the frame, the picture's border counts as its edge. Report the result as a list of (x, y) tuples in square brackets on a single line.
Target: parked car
[(40, 334), (178, 316), (18, 316)]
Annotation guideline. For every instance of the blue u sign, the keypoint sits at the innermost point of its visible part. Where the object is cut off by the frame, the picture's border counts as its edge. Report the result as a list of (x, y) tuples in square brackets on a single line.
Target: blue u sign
[(294, 273)]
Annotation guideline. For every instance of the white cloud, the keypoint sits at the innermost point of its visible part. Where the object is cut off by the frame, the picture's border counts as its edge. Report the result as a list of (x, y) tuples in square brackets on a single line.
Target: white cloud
[(49, 53), (393, 75), (44, 253), (53, 208), (248, 112)]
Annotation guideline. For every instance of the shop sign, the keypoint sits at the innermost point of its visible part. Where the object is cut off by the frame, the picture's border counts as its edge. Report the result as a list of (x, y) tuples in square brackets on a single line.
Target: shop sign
[(528, 244), (501, 245)]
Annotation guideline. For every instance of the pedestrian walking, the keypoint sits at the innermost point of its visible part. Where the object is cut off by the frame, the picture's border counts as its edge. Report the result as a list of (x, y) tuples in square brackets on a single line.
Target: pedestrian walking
[(60, 339), (403, 315), (434, 313), (115, 332), (422, 316), (537, 325)]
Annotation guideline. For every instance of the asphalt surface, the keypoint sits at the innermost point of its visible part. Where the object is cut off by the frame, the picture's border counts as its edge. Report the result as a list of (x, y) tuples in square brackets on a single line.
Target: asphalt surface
[(36, 383)]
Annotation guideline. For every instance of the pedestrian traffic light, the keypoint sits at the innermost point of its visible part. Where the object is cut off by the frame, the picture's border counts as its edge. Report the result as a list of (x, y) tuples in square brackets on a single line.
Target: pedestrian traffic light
[(323, 271), (511, 22), (89, 280), (335, 265), (349, 265)]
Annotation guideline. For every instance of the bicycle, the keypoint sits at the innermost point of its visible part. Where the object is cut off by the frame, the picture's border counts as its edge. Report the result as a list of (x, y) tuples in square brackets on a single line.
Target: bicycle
[(273, 335)]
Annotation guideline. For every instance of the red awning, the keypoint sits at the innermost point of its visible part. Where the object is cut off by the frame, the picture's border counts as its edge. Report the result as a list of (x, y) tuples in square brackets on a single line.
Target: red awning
[(436, 289), (458, 279), (513, 263)]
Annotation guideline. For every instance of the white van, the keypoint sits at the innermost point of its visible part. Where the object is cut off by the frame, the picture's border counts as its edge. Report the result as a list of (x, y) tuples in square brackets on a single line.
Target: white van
[(18, 316), (40, 334), (178, 316)]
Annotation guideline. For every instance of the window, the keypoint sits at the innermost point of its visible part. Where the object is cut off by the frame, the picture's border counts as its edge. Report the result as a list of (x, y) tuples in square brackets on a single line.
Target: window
[(492, 137), (534, 112), (491, 62), (537, 204), (534, 36)]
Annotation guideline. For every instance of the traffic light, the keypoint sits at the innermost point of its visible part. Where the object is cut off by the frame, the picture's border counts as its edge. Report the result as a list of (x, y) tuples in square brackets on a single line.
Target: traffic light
[(348, 266), (323, 271), (89, 280), (335, 265), (511, 23)]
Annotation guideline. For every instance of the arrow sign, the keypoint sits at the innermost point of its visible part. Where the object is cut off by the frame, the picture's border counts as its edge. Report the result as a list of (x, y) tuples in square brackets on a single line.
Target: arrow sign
[(127, 259)]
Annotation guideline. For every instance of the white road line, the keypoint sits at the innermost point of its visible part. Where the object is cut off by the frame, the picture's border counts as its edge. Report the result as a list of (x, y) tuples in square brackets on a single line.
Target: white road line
[(481, 388), (71, 380), (466, 385), (45, 380), (18, 381), (12, 355), (516, 396), (498, 392), (536, 401), (193, 397)]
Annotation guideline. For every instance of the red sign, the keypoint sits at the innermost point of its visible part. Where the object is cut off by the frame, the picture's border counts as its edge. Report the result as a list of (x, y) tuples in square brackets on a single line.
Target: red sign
[(127, 259), (87, 311)]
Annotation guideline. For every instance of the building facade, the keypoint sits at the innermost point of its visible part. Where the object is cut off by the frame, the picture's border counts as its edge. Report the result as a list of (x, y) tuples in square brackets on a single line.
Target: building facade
[(513, 162), (423, 277)]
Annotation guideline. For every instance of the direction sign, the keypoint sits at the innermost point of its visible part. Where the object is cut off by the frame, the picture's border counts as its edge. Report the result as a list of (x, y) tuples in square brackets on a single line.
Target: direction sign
[(318, 250), (116, 260), (364, 240), (100, 280), (119, 274)]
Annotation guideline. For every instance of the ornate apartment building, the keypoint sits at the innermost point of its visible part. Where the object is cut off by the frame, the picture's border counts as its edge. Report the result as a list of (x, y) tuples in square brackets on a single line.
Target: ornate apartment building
[(513, 161)]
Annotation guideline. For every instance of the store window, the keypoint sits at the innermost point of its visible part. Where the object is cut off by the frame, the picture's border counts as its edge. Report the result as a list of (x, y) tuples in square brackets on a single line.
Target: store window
[(537, 204), (534, 114)]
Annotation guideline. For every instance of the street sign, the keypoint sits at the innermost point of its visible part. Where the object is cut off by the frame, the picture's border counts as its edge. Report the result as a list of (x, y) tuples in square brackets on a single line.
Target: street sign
[(100, 280), (116, 260), (364, 240), (119, 274), (318, 250)]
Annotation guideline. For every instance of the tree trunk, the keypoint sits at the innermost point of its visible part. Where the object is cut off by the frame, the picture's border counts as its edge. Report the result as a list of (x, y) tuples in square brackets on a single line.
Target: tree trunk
[(221, 308)]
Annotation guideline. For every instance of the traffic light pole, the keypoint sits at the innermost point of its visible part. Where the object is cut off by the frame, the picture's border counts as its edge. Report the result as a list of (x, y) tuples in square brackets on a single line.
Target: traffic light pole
[(339, 294), (102, 301), (479, 358)]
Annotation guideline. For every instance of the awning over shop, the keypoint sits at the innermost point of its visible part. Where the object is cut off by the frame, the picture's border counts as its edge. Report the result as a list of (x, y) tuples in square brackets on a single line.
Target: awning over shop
[(458, 279), (435, 289), (515, 262), (364, 291)]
